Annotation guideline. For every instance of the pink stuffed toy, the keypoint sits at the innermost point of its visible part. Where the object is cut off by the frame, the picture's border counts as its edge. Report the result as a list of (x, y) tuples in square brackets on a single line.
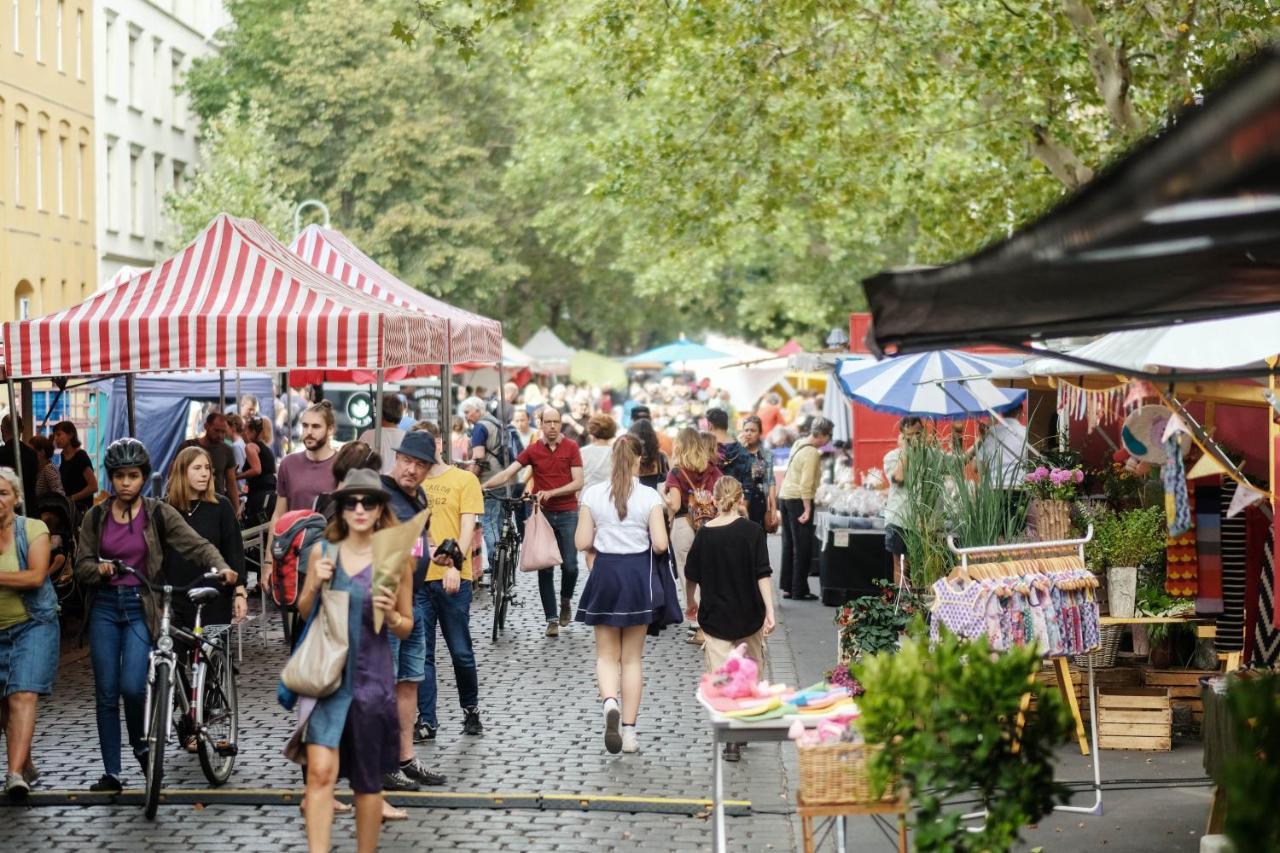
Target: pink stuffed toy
[(737, 678)]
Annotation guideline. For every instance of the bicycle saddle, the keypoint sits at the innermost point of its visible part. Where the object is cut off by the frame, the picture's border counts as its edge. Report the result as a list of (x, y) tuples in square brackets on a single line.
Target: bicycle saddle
[(202, 595)]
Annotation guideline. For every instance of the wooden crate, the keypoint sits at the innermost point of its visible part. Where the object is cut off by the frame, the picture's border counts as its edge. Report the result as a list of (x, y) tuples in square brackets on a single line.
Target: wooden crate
[(1184, 689), (1104, 679), (1135, 718)]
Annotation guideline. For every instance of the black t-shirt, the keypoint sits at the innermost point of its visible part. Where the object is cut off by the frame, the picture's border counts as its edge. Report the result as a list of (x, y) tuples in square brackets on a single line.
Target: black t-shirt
[(223, 460), (72, 471), (726, 563), (29, 472)]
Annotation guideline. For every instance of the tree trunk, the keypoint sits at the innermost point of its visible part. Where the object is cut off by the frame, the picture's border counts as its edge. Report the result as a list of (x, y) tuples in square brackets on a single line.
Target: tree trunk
[(1060, 160), (1110, 71)]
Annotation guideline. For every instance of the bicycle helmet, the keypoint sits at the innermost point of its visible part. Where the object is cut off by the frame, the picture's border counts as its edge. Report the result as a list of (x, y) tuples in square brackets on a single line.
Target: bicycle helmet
[(127, 453)]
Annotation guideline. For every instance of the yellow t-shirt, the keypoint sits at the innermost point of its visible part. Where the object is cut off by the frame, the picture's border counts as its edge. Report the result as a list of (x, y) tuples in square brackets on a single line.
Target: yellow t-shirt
[(450, 496), (12, 610)]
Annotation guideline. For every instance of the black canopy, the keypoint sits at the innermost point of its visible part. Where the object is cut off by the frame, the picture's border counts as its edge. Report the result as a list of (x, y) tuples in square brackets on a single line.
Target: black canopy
[(1187, 226)]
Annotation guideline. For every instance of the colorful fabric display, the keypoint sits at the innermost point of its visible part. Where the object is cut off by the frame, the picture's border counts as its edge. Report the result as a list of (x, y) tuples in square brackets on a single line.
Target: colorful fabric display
[(1054, 611), (1209, 549), (1173, 475), (1230, 622), (1181, 569)]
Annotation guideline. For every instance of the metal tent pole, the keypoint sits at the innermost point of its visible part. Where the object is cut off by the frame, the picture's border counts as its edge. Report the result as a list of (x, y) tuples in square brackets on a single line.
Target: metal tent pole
[(129, 408), (238, 398), (377, 413), (446, 413), (222, 391), (15, 436)]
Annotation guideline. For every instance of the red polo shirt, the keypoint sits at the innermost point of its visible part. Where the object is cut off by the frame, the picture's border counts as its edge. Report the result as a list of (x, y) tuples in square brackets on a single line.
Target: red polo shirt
[(553, 469)]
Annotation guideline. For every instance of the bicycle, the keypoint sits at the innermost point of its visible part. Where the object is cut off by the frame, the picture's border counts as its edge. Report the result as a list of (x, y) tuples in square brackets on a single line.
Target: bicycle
[(207, 700), (506, 559)]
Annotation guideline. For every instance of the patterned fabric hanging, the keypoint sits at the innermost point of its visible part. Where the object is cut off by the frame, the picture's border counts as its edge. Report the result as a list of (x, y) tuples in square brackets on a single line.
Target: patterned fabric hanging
[(1233, 535), (1182, 570), (1095, 407), (1209, 549), (1266, 635)]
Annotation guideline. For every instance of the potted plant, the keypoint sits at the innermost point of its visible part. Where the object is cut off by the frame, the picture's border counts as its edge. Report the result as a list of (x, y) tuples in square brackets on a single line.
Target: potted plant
[(1052, 489), (947, 717), (1123, 543), (875, 623)]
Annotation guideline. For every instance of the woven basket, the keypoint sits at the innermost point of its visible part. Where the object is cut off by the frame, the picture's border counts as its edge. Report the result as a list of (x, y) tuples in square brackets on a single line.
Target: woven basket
[(834, 773), (1105, 656)]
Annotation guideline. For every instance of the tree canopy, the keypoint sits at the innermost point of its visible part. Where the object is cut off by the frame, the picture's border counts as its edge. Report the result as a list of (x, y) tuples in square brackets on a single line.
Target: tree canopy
[(626, 170)]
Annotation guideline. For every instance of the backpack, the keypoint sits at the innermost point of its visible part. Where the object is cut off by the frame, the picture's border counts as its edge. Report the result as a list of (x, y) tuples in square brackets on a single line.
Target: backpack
[(702, 504), (501, 445), (739, 467), (294, 534)]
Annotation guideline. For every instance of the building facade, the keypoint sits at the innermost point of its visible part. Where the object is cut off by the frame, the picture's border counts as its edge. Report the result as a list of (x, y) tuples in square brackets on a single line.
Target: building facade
[(146, 137), (47, 255)]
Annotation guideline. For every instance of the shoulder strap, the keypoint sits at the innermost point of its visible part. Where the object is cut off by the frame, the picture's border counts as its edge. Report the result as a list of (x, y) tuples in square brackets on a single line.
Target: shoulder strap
[(20, 540)]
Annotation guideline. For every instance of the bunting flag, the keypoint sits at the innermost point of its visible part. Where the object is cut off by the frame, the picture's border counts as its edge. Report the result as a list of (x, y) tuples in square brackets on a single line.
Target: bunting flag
[(1244, 497), (1139, 390), (1107, 406), (1206, 466)]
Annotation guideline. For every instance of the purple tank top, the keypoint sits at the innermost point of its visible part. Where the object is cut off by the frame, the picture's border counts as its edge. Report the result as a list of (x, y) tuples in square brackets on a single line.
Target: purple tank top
[(125, 542)]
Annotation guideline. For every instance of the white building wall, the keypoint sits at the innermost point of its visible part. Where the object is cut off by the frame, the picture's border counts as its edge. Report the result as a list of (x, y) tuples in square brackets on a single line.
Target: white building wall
[(146, 137)]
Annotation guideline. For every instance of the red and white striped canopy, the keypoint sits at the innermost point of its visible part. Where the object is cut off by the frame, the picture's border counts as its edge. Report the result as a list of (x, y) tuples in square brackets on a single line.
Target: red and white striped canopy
[(471, 336), (234, 298)]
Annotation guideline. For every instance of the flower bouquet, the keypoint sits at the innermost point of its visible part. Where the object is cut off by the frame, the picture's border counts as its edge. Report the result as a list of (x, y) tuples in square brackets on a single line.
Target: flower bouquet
[(1052, 490)]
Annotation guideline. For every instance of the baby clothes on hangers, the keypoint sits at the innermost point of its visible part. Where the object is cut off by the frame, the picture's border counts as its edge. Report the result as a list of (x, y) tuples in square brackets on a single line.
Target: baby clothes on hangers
[(962, 610)]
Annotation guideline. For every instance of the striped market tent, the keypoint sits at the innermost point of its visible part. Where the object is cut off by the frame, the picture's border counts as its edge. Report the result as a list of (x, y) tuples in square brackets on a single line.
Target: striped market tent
[(234, 298), (472, 338)]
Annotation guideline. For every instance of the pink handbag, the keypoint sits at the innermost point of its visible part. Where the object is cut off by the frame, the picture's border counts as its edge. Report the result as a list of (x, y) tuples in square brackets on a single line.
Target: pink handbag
[(540, 549)]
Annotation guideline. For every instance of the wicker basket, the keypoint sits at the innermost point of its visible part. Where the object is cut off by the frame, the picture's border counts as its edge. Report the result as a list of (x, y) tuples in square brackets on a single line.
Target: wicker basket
[(836, 773), (1105, 656)]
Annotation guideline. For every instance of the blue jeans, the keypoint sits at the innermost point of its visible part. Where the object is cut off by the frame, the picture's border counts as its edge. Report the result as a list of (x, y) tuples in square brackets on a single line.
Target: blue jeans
[(432, 604), (492, 526), (119, 643), (565, 524)]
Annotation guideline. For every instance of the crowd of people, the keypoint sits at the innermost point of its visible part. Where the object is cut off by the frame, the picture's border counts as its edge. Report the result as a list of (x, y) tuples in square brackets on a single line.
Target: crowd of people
[(668, 492)]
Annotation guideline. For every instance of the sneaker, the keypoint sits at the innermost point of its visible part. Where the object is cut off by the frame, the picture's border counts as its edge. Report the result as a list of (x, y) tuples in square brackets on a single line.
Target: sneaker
[(553, 629), (629, 742), (418, 772), (566, 612), (107, 784), (397, 780), (423, 732), (612, 718), (732, 752), (697, 638), (483, 581), (471, 724), (16, 787), (30, 773)]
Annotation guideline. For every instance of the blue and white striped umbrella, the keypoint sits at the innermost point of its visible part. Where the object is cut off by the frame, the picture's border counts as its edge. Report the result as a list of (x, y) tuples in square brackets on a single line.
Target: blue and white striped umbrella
[(925, 384)]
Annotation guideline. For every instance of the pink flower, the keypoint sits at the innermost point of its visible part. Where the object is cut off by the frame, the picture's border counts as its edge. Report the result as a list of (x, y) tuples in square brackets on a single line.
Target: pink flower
[(1040, 473), (1079, 476)]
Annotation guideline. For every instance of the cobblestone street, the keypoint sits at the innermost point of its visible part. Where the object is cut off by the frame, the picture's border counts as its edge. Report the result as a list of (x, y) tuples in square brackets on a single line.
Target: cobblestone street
[(542, 738)]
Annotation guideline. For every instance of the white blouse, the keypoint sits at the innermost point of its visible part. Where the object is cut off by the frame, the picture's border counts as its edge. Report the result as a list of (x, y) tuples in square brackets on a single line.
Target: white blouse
[(621, 536)]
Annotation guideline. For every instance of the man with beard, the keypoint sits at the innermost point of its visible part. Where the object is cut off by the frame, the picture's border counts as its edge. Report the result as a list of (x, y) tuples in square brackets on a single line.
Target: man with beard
[(302, 477)]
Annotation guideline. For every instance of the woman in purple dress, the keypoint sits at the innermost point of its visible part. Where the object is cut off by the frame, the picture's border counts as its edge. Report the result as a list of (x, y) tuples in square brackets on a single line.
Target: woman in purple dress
[(354, 732)]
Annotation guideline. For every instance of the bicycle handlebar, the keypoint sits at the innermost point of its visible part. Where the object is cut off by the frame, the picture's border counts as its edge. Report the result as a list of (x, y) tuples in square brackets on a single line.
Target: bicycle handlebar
[(121, 566)]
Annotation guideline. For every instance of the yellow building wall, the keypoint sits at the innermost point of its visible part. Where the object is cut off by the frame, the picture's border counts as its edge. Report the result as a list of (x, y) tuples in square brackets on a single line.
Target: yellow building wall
[(47, 252)]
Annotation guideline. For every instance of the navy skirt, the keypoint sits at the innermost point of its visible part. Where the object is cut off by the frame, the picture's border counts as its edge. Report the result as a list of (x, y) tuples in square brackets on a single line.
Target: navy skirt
[(622, 590)]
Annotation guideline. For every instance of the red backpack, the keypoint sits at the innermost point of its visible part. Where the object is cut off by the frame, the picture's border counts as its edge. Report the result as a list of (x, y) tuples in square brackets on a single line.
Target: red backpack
[(291, 539)]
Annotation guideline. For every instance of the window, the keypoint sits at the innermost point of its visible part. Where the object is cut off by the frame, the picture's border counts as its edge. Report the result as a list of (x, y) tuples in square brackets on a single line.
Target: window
[(39, 34), (17, 28), (179, 168), (135, 193), (57, 34), (157, 191), (157, 63), (24, 307), (39, 169), (59, 162), (177, 107), (80, 155), (79, 44), (108, 47), (17, 163), (112, 179), (133, 68)]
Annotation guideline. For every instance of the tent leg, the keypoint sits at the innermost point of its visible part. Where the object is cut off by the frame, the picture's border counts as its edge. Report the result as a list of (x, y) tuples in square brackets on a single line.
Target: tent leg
[(377, 414), (238, 394), (446, 413), (129, 408), (14, 415), (222, 390)]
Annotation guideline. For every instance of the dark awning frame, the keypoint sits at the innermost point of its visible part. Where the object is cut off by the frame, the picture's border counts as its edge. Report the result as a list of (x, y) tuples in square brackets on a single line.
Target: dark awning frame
[(1187, 226)]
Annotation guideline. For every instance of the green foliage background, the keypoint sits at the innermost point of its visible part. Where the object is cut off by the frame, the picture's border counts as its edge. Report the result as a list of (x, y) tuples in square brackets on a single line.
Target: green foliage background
[(625, 170)]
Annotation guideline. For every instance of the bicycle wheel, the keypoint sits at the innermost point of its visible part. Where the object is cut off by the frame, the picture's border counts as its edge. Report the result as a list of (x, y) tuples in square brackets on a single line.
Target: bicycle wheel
[(160, 713), (507, 556), (217, 716), (498, 593)]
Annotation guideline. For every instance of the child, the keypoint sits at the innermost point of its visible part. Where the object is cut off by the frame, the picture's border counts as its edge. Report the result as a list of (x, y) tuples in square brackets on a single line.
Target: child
[(727, 585)]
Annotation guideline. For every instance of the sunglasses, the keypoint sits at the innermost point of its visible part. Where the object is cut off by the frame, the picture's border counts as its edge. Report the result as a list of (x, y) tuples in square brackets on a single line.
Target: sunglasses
[(361, 501)]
